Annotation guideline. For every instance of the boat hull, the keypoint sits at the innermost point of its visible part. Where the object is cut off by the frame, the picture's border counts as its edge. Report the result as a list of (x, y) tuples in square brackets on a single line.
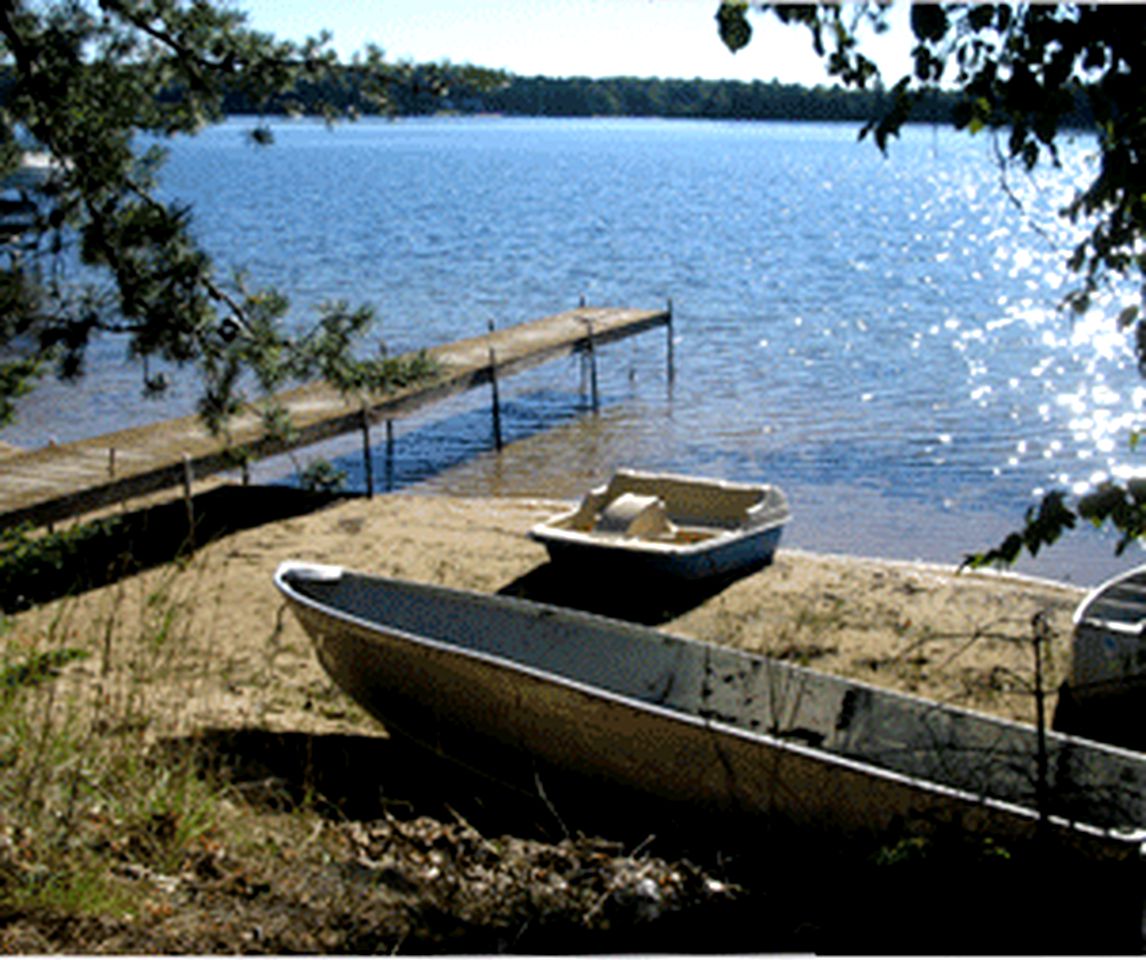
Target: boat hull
[(688, 731), (744, 554)]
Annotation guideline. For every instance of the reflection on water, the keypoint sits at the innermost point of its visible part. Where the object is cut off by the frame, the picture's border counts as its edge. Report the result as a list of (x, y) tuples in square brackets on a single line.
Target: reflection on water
[(877, 335)]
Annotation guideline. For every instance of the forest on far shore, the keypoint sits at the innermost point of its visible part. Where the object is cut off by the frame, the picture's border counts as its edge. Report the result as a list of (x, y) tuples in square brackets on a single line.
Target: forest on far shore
[(436, 88)]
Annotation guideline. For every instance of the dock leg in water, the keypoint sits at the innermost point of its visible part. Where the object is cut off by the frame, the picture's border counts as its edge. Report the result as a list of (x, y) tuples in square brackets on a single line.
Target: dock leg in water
[(496, 399), (367, 459)]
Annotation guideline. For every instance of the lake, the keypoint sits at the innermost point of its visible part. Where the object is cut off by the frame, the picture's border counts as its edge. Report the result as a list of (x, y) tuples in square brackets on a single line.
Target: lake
[(877, 335)]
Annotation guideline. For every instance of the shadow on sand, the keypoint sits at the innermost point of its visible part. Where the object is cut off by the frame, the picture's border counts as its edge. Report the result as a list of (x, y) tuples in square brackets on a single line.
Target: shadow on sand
[(96, 554), (647, 600), (361, 777), (792, 898)]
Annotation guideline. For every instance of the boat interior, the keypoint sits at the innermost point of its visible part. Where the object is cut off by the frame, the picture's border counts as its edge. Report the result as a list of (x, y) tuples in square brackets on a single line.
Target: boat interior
[(1121, 604), (670, 509)]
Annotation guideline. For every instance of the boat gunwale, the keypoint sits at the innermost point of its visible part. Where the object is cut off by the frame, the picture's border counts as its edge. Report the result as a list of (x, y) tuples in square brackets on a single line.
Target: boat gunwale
[(1124, 835), (1080, 616)]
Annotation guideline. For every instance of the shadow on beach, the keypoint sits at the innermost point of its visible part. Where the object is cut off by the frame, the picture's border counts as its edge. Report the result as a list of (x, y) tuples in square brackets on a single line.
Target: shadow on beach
[(611, 593), (357, 777), (105, 550), (791, 895)]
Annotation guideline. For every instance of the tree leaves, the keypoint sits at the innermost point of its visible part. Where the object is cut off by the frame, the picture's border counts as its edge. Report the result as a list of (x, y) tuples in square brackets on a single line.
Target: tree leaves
[(1043, 527), (87, 87), (732, 22), (929, 21)]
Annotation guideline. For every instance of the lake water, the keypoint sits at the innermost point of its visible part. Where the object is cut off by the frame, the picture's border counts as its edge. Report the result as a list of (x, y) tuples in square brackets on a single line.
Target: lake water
[(876, 335)]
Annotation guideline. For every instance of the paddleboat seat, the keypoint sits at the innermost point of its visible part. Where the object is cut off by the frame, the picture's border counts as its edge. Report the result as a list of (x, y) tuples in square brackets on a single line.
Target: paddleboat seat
[(636, 515)]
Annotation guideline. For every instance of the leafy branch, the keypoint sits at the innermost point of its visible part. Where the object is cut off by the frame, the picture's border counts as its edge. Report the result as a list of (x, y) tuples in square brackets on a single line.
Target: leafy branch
[(87, 84)]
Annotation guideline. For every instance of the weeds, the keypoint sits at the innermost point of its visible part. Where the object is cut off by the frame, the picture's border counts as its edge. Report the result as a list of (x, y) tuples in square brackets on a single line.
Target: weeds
[(82, 798), (36, 565), (38, 667), (321, 476), (828, 615)]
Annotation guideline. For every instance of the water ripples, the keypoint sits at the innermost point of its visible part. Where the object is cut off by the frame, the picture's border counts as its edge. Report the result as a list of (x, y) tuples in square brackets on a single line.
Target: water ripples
[(845, 321)]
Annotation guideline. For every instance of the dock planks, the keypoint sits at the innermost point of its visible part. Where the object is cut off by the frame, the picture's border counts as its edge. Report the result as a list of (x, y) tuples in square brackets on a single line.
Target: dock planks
[(62, 481)]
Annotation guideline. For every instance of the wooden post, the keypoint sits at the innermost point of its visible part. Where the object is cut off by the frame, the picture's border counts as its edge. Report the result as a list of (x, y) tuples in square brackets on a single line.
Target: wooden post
[(1040, 633), (389, 455), (495, 393), (496, 399), (584, 357), (188, 502), (111, 462), (593, 367), (671, 360), (367, 460)]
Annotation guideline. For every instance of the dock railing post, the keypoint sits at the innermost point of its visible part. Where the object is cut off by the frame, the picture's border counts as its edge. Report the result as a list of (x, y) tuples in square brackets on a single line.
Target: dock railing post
[(367, 460)]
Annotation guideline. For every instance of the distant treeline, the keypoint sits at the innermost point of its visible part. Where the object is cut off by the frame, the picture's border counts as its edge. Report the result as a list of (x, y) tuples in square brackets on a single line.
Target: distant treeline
[(706, 99), (433, 88), (468, 90)]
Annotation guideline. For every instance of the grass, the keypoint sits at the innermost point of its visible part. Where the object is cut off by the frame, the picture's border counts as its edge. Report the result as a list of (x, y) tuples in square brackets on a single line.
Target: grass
[(80, 795)]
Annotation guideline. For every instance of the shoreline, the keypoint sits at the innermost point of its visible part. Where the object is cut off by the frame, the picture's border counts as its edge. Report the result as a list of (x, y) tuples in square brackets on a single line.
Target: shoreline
[(949, 569), (244, 662)]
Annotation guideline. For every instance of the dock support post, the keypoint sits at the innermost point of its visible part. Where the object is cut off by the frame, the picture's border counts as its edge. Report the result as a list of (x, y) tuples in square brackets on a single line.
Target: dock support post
[(584, 355), (495, 393), (188, 479), (497, 442), (111, 462), (389, 456), (596, 398), (367, 460), (671, 359)]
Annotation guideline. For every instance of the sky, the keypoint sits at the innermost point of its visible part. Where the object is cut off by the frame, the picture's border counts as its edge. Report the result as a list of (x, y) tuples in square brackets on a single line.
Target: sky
[(559, 38)]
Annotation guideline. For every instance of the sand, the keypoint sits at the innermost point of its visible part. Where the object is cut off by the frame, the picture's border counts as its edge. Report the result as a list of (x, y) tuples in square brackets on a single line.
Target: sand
[(209, 644)]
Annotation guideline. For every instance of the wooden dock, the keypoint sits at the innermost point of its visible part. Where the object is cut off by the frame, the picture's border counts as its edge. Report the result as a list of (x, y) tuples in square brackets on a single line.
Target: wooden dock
[(58, 482)]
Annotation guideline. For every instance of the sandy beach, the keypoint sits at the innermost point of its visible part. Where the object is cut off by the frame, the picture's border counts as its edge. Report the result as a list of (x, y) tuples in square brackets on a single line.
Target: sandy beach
[(209, 643)]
